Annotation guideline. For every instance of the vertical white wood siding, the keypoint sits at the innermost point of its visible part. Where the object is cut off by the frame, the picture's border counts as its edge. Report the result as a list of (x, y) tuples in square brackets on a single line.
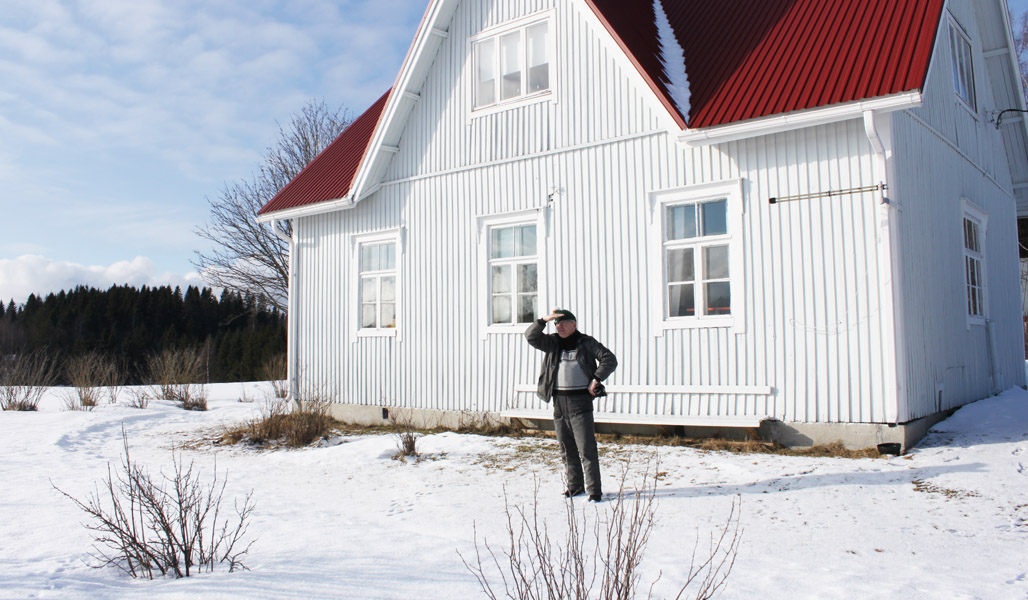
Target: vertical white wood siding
[(944, 152), (813, 321)]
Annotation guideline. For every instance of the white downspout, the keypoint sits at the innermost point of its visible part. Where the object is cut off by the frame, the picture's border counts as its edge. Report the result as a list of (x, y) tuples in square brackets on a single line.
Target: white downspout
[(291, 374), (894, 359)]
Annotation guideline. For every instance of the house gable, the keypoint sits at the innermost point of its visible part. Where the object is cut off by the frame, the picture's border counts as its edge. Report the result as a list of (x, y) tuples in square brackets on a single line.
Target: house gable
[(804, 56)]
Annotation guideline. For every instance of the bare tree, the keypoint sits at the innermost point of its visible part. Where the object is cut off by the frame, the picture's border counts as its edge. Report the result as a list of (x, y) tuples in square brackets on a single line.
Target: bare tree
[(1020, 26), (247, 256)]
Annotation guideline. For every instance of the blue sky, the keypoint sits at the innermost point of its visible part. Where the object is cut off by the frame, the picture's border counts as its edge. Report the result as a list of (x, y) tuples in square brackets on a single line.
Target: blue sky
[(119, 117)]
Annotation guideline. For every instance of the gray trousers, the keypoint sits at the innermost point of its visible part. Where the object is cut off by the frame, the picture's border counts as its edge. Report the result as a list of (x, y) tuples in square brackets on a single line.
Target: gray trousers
[(576, 435)]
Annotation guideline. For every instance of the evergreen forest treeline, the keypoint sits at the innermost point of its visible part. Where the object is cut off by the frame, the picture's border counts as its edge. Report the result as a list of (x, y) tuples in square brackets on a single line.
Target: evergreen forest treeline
[(236, 333)]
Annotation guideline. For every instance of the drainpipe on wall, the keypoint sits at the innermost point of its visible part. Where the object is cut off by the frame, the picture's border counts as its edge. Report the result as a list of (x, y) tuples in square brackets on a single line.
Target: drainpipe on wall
[(291, 374), (894, 361), (993, 356)]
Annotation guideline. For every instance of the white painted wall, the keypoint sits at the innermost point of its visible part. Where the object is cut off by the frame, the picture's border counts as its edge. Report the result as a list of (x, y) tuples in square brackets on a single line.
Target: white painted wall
[(813, 324), (813, 328), (943, 153)]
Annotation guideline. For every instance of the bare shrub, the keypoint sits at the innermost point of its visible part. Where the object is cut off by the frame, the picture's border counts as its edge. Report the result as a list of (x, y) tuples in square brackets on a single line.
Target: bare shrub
[(279, 424), (406, 437), (539, 563), (178, 377), (112, 377), (84, 373), (139, 397), (167, 525), (24, 378), (275, 371)]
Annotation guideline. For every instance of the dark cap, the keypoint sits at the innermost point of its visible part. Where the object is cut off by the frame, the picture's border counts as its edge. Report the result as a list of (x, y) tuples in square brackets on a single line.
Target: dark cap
[(565, 315)]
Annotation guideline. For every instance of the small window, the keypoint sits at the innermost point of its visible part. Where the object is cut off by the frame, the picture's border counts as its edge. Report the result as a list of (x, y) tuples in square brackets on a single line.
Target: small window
[(696, 259), (378, 285), (513, 274), (697, 273), (511, 65), (963, 71), (973, 267)]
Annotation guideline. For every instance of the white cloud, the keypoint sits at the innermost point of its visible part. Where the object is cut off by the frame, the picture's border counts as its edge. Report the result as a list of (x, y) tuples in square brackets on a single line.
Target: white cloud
[(34, 274)]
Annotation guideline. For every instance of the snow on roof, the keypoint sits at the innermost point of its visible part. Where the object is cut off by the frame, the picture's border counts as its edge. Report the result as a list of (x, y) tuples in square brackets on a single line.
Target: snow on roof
[(673, 58), (755, 58)]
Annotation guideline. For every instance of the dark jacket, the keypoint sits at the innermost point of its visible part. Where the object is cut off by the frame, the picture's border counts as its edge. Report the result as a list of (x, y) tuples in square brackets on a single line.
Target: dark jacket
[(596, 360)]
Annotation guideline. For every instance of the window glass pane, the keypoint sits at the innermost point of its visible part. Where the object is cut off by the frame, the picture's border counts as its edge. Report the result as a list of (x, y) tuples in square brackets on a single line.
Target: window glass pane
[(366, 258), (526, 308), (715, 217), (501, 309), (680, 264), (503, 242), (680, 301), (510, 63), (501, 279), (388, 289), (538, 58), (719, 298), (485, 75), (681, 222), (526, 240), (389, 256), (375, 251), (388, 314), (715, 262), (369, 289), (368, 315), (527, 276)]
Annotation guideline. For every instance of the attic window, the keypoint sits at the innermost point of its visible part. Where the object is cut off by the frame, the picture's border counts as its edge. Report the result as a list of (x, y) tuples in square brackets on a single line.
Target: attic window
[(963, 72), (512, 64)]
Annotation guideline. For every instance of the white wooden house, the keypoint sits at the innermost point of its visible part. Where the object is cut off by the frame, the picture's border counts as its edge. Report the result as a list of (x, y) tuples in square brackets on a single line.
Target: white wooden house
[(795, 212)]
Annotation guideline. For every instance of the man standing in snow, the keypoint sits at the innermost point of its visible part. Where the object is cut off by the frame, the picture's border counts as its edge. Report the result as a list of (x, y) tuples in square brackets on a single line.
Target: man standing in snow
[(571, 373)]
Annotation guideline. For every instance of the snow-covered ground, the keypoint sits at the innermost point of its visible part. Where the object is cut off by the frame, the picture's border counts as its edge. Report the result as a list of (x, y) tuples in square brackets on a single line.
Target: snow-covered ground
[(949, 520)]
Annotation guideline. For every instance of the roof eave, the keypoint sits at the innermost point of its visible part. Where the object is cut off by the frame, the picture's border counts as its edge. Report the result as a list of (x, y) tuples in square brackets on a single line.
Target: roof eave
[(307, 210), (406, 93), (797, 120)]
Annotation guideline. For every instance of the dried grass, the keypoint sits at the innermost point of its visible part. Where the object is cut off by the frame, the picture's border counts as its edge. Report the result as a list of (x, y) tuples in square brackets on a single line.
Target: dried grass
[(280, 425)]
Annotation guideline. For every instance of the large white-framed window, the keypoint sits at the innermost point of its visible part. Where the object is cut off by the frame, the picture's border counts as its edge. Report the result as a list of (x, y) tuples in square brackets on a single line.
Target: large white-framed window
[(962, 66), (512, 250), (698, 279), (974, 223), (512, 63), (376, 266)]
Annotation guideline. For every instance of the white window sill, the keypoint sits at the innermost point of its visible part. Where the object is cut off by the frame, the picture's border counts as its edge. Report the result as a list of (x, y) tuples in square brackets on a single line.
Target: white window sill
[(513, 103), (974, 321), (696, 323), (507, 329), (376, 333)]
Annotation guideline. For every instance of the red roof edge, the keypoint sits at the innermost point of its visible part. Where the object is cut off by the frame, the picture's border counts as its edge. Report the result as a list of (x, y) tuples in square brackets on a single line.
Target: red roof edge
[(331, 174), (679, 118)]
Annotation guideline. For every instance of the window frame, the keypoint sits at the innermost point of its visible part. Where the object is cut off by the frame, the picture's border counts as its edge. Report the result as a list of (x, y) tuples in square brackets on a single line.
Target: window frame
[(732, 192), (484, 295), (495, 33), (359, 241), (960, 75), (974, 213)]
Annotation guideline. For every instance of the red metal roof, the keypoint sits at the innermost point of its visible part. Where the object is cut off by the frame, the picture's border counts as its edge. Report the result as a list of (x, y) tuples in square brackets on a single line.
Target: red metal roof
[(330, 175), (754, 58), (744, 59)]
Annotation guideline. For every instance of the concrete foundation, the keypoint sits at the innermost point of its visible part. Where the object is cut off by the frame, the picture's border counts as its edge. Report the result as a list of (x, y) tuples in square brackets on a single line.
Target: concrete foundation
[(791, 435)]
